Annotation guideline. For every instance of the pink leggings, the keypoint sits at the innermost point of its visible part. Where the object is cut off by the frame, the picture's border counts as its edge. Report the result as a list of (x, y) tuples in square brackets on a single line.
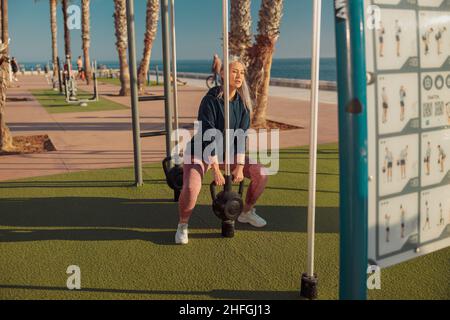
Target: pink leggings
[(192, 183)]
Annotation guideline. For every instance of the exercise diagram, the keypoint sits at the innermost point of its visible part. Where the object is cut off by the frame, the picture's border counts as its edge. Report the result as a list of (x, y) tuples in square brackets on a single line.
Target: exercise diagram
[(447, 107), (426, 40), (381, 33), (441, 215), (385, 101), (427, 159), (402, 161), (398, 32), (388, 164), (441, 158), (402, 102), (381, 38), (427, 217), (402, 221), (387, 218), (440, 32)]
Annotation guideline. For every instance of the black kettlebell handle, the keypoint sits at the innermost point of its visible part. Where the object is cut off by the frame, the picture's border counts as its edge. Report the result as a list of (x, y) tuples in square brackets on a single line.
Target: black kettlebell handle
[(213, 185), (166, 165)]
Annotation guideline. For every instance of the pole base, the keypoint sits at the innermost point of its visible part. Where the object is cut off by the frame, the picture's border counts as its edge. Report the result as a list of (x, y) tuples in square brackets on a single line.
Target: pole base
[(309, 287), (228, 229)]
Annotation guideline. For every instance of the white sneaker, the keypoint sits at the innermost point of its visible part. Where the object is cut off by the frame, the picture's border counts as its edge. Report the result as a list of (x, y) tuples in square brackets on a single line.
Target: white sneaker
[(252, 218), (181, 237)]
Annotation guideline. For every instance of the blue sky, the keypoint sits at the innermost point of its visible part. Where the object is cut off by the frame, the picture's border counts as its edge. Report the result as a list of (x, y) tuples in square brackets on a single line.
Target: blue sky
[(198, 25)]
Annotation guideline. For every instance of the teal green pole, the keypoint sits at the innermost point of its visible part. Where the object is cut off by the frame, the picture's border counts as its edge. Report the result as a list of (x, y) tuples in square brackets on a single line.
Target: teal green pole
[(352, 102)]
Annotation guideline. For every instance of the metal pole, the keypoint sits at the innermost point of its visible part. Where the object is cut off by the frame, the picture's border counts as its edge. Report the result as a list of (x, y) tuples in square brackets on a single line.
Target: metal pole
[(157, 75), (166, 65), (175, 75), (315, 69), (134, 94), (59, 75), (350, 54), (309, 281), (226, 87)]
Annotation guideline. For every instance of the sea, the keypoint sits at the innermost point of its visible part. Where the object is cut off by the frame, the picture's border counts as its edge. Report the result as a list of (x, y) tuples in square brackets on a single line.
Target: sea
[(281, 68)]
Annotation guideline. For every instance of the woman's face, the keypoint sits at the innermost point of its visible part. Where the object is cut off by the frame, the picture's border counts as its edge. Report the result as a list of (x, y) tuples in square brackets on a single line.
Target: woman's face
[(237, 75)]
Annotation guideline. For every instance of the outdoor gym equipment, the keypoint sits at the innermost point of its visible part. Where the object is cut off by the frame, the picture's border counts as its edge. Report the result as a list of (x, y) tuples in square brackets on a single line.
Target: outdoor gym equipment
[(308, 287), (227, 205), (60, 83), (71, 90), (172, 171), (70, 86)]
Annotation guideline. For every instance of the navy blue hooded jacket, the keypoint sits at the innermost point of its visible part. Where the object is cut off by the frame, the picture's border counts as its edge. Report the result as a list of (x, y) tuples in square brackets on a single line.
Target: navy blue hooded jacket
[(211, 114)]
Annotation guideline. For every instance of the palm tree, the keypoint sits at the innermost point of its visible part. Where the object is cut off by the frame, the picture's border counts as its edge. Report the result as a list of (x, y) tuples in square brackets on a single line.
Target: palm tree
[(240, 29), (257, 56), (1, 27), (261, 56), (5, 32), (149, 38), (120, 21), (6, 141), (86, 38), (5, 22), (54, 32), (67, 50)]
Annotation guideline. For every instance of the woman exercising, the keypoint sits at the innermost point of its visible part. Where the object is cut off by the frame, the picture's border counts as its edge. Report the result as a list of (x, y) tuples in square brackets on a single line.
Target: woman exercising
[(211, 116)]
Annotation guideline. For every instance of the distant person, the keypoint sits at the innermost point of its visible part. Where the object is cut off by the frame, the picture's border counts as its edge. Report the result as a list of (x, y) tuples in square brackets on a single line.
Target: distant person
[(80, 74), (14, 68), (215, 69)]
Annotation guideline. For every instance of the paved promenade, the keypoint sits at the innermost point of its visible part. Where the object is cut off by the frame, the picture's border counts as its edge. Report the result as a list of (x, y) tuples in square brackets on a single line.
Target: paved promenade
[(103, 139)]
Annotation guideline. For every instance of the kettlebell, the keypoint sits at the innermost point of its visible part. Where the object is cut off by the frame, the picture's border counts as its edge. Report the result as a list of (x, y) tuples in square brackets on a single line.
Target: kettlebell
[(227, 205), (174, 177)]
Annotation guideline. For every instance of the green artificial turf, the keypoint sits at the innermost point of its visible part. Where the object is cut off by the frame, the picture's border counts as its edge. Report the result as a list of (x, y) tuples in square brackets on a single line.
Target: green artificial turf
[(122, 238), (54, 102)]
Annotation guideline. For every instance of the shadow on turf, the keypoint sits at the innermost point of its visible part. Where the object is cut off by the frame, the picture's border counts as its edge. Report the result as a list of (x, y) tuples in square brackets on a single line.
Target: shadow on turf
[(214, 294), (103, 219)]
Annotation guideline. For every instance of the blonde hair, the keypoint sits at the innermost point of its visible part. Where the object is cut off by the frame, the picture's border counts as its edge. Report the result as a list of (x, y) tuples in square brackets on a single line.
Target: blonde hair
[(243, 91)]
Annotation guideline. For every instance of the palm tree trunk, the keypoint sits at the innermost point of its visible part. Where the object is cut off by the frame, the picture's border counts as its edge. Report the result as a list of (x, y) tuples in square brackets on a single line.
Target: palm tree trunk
[(5, 36), (1, 23), (6, 141), (150, 35), (5, 31), (66, 29), (261, 89), (86, 38), (54, 32), (120, 21), (261, 55), (240, 29)]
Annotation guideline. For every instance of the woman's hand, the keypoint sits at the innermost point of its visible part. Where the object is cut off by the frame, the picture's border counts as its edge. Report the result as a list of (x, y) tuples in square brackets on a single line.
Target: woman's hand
[(238, 174), (218, 176)]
